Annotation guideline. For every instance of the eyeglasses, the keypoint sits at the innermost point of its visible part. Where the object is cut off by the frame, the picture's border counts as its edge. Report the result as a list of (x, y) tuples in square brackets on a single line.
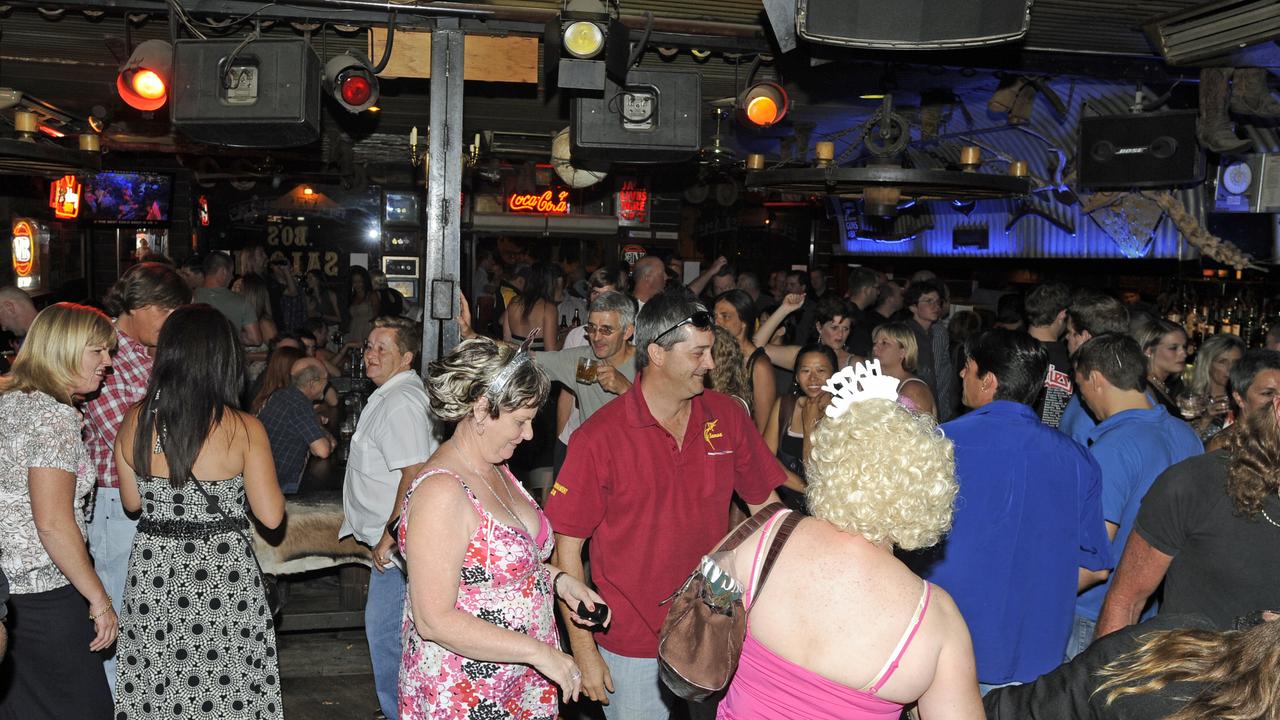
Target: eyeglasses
[(700, 320), (601, 330)]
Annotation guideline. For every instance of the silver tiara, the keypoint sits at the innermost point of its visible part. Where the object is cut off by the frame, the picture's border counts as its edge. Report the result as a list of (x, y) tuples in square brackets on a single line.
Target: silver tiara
[(508, 371)]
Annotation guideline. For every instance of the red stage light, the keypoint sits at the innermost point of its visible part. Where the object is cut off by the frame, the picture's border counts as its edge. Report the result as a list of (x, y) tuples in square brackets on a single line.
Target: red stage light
[(143, 81), (356, 89)]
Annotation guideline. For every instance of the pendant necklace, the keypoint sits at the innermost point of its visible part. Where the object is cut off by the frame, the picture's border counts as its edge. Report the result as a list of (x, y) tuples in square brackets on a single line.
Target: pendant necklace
[(1268, 517), (495, 494)]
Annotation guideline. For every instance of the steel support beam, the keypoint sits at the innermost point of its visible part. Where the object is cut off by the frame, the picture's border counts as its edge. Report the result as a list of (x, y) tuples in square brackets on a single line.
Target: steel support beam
[(441, 271)]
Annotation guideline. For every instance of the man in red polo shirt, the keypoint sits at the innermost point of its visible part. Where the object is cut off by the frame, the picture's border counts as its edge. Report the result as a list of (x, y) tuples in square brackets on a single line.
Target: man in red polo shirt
[(649, 478)]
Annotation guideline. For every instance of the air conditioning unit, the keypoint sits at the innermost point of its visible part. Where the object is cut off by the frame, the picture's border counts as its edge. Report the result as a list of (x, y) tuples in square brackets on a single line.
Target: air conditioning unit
[(1214, 29), (1248, 184)]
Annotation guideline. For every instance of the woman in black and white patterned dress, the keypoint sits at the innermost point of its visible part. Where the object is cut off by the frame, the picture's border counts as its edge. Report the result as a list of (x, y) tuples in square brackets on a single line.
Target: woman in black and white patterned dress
[(196, 635)]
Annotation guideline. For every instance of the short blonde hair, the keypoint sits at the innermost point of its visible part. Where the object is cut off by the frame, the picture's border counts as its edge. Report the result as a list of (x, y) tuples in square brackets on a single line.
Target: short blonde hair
[(901, 334), (51, 354), (884, 473), (457, 381)]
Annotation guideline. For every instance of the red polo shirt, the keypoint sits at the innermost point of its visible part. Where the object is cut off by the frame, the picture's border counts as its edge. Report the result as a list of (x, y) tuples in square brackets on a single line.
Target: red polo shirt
[(652, 509)]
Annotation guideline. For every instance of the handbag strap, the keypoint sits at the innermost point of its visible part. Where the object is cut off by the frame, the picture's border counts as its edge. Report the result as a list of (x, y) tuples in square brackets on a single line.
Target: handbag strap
[(788, 526), (749, 526)]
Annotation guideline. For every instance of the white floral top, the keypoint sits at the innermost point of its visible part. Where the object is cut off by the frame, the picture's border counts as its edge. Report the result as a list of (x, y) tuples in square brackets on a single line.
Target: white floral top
[(36, 431)]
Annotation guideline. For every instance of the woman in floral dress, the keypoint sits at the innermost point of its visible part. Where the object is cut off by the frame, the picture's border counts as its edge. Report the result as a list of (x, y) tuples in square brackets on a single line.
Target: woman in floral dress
[(480, 640)]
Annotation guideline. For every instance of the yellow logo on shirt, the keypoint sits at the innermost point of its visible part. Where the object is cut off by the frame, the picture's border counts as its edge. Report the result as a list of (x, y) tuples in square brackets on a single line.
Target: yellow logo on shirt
[(559, 489), (709, 433)]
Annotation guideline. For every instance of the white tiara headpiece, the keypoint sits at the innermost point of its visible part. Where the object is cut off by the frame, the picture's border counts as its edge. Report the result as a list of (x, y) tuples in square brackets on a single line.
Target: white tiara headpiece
[(521, 358), (862, 381)]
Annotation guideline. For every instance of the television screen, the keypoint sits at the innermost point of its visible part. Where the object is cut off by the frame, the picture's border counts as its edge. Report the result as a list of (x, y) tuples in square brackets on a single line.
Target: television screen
[(128, 197)]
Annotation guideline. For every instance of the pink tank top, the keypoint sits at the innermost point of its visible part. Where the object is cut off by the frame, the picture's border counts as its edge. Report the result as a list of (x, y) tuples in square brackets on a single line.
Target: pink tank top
[(770, 687)]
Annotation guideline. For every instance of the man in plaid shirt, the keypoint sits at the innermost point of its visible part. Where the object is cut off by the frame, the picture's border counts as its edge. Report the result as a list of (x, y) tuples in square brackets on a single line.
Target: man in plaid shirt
[(140, 301)]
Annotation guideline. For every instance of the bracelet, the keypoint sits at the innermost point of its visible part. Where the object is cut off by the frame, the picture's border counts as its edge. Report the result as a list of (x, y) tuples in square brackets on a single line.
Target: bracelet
[(554, 580), (105, 610)]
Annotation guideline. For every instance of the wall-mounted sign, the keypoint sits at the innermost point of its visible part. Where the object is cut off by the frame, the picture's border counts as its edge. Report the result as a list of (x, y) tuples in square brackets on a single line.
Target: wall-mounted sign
[(30, 241), (633, 203), (64, 197), (552, 201), (202, 208), (631, 254)]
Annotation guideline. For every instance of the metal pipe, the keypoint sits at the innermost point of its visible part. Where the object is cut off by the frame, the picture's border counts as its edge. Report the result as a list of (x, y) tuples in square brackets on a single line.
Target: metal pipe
[(632, 20)]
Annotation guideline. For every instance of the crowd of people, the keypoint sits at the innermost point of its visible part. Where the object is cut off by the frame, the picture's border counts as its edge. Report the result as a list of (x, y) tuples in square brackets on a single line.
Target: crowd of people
[(1054, 509)]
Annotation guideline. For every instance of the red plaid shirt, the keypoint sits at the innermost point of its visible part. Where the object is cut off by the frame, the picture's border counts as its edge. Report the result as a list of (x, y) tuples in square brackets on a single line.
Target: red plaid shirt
[(124, 386)]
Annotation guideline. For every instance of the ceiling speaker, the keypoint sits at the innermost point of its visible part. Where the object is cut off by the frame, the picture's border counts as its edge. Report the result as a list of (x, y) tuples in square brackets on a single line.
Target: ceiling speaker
[(655, 117), (266, 94), (1146, 150)]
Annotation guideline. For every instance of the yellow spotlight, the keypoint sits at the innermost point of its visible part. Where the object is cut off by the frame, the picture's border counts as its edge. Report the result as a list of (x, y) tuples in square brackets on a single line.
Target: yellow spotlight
[(583, 39)]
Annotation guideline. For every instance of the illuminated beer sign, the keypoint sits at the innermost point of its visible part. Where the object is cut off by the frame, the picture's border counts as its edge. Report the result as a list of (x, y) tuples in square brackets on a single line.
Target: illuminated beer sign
[(633, 203), (64, 197), (24, 249), (548, 202)]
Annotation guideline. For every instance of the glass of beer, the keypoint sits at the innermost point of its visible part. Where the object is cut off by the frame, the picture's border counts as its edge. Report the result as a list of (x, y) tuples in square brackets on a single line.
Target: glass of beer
[(587, 370)]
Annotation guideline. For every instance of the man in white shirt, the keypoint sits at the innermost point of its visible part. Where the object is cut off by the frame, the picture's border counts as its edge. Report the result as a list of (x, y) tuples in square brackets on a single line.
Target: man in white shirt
[(391, 444)]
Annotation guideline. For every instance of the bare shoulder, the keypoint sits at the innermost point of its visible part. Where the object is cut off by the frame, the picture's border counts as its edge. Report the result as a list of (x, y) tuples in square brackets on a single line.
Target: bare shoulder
[(943, 611), (438, 492)]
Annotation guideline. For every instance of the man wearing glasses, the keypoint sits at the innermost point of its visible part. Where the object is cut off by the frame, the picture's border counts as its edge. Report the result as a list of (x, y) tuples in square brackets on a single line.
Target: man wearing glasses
[(393, 440), (924, 300), (649, 479)]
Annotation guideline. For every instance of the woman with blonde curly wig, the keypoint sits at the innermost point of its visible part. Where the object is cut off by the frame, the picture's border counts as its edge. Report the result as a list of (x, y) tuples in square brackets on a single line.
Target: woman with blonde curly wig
[(845, 630)]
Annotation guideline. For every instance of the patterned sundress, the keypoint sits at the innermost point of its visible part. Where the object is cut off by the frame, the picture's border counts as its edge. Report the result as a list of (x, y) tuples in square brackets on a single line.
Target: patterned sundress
[(503, 582)]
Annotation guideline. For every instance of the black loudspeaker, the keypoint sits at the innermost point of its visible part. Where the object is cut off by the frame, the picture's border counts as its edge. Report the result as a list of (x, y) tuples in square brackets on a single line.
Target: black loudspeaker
[(655, 118), (912, 24), (1147, 150), (267, 95)]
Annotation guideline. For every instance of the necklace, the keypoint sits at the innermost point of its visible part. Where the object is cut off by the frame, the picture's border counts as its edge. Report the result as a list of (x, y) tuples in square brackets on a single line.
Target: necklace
[(495, 494), (1268, 517)]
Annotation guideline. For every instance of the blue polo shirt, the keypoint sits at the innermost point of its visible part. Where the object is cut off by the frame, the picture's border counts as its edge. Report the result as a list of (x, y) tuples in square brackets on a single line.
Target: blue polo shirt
[(1028, 514), (1132, 447), (1077, 423)]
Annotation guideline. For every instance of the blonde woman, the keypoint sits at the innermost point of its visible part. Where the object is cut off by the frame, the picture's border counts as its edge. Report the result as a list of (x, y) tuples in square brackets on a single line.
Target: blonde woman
[(254, 290), (61, 613), (845, 629), (894, 345), (1210, 378), (729, 376)]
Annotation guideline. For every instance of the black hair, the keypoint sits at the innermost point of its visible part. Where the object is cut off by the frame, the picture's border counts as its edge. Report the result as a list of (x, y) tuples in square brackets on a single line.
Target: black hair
[(197, 375), (814, 349), (1011, 310), (216, 261), (1246, 370), (1045, 302), (861, 278), (1117, 357), (919, 289), (742, 304), (539, 283), (1019, 362), (364, 275), (830, 307)]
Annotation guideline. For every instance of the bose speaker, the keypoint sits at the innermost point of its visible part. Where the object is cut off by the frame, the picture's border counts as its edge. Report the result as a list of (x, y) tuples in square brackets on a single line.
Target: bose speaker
[(912, 24), (655, 117), (265, 93), (1147, 150)]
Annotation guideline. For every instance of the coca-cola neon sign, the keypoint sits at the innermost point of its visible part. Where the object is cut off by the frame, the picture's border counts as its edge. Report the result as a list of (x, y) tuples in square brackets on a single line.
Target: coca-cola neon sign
[(547, 202)]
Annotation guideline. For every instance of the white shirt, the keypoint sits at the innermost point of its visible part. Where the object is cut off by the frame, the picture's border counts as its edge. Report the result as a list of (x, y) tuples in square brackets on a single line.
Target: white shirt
[(394, 432)]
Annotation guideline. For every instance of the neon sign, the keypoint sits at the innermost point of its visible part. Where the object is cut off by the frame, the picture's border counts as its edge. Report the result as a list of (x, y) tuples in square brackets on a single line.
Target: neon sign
[(548, 202), (24, 249), (633, 203), (64, 197)]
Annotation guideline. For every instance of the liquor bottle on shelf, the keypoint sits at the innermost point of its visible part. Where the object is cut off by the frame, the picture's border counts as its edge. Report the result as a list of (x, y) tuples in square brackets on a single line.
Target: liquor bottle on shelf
[(577, 319), (563, 325)]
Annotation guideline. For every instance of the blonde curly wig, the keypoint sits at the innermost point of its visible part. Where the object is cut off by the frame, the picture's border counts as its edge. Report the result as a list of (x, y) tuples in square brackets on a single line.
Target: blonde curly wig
[(883, 472)]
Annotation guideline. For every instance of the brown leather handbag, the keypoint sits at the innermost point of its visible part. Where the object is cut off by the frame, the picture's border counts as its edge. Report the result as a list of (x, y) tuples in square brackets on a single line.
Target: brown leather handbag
[(701, 639)]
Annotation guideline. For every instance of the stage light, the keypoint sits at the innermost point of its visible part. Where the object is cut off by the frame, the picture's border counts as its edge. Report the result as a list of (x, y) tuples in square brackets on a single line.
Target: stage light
[(583, 39), (143, 81), (763, 105), (585, 44), (349, 79)]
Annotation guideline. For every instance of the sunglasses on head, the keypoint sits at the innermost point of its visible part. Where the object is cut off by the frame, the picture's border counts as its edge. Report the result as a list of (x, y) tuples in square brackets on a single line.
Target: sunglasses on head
[(700, 320)]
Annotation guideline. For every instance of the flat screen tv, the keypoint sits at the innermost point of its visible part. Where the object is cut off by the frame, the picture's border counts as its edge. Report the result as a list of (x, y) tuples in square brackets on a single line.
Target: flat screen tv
[(117, 197)]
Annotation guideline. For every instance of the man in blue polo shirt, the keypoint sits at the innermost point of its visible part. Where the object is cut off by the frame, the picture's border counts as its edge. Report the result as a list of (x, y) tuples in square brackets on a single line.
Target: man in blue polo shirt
[(1028, 529), (1135, 441)]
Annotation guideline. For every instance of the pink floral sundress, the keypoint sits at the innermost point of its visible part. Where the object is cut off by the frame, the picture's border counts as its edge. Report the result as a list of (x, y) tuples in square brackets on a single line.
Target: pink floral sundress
[(504, 582)]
